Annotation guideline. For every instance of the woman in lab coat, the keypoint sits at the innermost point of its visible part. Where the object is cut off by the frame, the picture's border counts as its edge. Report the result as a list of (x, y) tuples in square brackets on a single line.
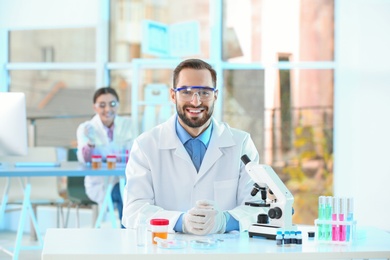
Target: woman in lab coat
[(106, 133), (164, 178)]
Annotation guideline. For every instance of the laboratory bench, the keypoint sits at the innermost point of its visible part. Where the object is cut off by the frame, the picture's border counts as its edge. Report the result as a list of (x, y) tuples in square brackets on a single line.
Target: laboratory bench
[(61, 244)]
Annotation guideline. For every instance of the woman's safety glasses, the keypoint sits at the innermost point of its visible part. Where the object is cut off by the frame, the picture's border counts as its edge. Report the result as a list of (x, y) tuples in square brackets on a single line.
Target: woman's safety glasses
[(103, 104), (187, 93)]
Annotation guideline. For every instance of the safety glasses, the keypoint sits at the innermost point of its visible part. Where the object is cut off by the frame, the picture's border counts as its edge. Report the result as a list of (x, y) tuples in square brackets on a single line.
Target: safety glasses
[(110, 104), (186, 93)]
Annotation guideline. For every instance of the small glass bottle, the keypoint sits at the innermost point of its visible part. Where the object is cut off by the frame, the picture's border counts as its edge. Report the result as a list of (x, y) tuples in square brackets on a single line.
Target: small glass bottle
[(141, 230), (287, 238), (279, 238), (293, 241)]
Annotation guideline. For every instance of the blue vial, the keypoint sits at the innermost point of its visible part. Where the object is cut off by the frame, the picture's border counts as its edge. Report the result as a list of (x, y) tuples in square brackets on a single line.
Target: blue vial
[(293, 238), (287, 238), (298, 237), (279, 238)]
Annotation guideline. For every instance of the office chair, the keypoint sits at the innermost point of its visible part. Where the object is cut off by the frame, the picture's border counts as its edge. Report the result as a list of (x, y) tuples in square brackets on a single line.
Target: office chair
[(76, 194)]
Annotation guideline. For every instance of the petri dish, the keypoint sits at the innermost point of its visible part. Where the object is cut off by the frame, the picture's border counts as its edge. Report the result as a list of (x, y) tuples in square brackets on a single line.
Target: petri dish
[(170, 243), (204, 243)]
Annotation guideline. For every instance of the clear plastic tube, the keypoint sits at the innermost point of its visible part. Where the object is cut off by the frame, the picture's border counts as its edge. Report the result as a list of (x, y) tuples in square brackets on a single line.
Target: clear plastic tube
[(335, 212), (328, 216), (321, 216), (348, 235), (342, 217)]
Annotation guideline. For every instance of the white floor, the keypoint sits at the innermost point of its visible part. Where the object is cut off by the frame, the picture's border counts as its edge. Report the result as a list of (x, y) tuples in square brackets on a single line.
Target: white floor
[(46, 216)]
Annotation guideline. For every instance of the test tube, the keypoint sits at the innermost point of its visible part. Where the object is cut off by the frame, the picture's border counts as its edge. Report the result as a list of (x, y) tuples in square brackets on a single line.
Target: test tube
[(335, 212), (328, 217), (321, 217), (349, 218), (342, 216)]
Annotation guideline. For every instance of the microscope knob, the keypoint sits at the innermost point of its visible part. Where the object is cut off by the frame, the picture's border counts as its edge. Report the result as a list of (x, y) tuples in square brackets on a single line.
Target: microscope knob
[(262, 219), (275, 213)]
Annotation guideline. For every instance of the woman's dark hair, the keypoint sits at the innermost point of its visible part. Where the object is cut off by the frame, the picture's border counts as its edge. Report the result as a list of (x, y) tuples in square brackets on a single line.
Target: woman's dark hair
[(196, 64), (105, 90)]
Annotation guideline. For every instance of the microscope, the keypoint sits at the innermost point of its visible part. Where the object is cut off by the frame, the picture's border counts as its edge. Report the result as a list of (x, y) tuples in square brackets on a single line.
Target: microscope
[(277, 201)]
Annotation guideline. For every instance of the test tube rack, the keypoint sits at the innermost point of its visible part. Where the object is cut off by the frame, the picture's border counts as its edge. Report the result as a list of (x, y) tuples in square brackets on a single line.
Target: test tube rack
[(350, 229)]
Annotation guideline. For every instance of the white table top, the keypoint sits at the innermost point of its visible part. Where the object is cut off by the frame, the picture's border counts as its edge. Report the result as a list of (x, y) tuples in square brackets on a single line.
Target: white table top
[(121, 244), (64, 169)]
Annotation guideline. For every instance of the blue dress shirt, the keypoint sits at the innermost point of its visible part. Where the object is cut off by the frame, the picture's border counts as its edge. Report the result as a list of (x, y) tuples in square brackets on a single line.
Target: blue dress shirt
[(196, 148)]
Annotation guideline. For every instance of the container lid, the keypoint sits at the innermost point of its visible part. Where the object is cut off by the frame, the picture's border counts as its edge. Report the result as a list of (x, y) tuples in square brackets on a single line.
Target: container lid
[(159, 222), (111, 156), (96, 156)]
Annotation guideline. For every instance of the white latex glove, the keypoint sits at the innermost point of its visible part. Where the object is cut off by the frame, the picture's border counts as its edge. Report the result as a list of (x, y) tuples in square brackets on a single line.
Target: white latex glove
[(204, 219), (89, 132)]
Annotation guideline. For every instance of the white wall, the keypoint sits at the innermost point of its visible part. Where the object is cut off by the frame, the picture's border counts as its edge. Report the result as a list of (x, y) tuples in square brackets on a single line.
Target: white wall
[(48, 13), (362, 109)]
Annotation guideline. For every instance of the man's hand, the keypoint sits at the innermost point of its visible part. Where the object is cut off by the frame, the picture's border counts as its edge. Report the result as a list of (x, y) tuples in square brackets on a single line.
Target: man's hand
[(204, 219)]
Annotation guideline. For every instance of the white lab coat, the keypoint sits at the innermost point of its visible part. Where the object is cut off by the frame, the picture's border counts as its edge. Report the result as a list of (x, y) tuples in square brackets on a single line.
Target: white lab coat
[(162, 181), (122, 140)]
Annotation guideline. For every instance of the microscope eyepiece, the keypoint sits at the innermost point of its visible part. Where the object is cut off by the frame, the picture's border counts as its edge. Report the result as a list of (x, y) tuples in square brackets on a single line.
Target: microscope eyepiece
[(245, 159), (255, 189)]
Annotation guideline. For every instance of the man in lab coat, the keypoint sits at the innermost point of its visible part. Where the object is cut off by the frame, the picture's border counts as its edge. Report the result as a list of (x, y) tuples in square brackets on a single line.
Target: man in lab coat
[(188, 169)]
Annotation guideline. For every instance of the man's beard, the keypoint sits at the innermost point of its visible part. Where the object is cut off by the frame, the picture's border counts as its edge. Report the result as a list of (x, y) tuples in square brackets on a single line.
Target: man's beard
[(194, 122)]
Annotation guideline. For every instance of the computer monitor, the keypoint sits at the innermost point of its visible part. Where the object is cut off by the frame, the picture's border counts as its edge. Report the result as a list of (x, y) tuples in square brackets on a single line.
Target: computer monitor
[(13, 129)]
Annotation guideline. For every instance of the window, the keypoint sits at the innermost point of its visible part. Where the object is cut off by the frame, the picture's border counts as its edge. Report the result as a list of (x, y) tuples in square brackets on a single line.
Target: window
[(275, 67)]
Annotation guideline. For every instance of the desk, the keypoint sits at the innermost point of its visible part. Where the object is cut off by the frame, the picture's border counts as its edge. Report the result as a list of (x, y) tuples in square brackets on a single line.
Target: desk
[(65, 169), (118, 244)]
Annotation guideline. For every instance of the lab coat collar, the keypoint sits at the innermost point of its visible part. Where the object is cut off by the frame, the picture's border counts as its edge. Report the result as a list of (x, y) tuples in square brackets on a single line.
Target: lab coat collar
[(220, 137), (167, 131), (169, 140)]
